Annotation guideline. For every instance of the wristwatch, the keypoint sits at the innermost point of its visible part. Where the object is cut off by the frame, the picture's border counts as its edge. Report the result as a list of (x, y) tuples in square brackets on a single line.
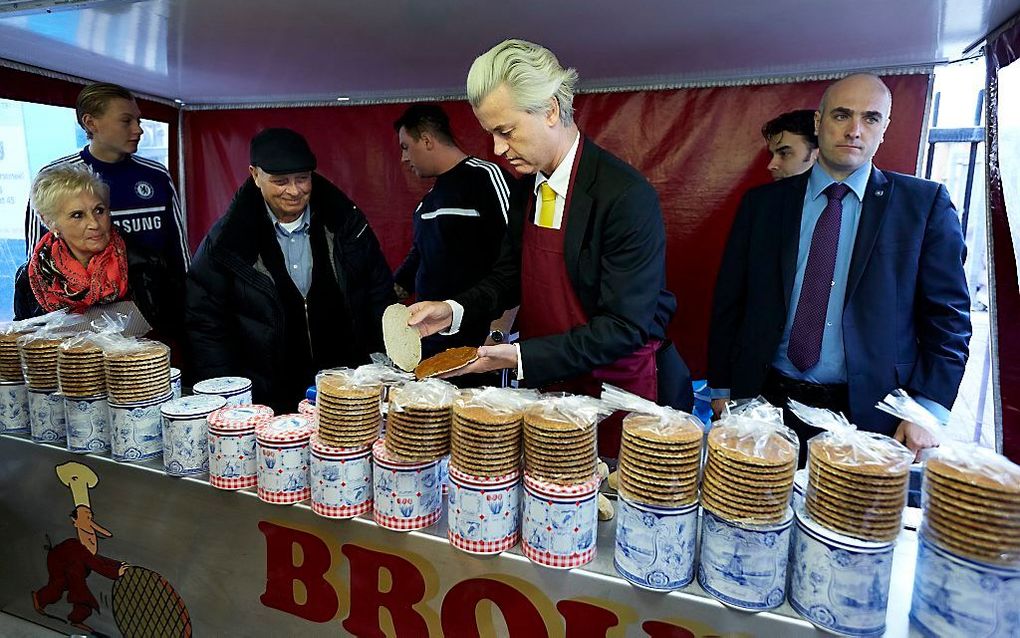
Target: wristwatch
[(497, 336)]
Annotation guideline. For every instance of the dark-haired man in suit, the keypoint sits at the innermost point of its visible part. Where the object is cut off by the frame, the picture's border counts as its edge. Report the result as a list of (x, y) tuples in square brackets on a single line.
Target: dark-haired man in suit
[(844, 283)]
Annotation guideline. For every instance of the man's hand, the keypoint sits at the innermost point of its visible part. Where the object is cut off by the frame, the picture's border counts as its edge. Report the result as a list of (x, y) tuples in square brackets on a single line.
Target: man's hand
[(915, 438), (499, 357), (718, 405), (429, 317), (122, 569), (399, 291)]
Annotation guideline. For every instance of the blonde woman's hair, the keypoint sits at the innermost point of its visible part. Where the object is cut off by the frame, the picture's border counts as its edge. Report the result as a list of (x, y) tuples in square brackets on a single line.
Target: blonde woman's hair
[(52, 185), (530, 72)]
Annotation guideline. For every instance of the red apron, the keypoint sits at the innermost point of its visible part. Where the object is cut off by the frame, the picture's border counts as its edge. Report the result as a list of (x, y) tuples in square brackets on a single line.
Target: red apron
[(549, 305)]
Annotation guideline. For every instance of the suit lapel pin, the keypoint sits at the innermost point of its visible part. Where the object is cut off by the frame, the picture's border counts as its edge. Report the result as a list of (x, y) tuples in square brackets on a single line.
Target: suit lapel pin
[(879, 193)]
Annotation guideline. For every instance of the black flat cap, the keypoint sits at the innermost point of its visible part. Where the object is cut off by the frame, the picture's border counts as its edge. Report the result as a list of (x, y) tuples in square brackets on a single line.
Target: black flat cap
[(278, 151)]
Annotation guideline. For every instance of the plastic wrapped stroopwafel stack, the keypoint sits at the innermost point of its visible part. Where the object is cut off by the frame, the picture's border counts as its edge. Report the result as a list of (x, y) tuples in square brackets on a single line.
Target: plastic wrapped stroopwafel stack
[(486, 435), (348, 409), (749, 471), (971, 502), (857, 484), (560, 439), (419, 420), (137, 370), (660, 459)]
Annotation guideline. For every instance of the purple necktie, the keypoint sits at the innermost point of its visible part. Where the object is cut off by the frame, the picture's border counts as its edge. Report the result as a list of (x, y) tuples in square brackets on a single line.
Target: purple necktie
[(809, 323)]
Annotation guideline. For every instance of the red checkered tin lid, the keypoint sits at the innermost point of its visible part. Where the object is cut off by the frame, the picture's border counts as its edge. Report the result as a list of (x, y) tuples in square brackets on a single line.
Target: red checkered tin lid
[(239, 417), (555, 489), (306, 408), (286, 428), (320, 448)]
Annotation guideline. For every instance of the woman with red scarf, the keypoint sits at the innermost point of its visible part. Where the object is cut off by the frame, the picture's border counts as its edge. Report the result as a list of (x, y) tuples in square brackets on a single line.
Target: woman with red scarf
[(83, 261)]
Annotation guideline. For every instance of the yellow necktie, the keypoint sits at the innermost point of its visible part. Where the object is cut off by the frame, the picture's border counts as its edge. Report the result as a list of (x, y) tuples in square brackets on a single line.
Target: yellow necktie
[(547, 213)]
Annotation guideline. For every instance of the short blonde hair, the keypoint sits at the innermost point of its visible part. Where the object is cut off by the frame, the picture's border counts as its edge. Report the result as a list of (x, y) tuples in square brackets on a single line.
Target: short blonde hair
[(52, 185), (529, 71), (94, 99)]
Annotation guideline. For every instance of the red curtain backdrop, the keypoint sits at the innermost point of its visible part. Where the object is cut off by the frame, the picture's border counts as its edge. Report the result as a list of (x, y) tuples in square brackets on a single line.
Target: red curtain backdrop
[(1003, 51), (40, 89), (700, 148)]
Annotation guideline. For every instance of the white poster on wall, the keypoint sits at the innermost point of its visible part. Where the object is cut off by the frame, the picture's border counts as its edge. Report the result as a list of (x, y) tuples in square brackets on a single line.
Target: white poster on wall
[(15, 178)]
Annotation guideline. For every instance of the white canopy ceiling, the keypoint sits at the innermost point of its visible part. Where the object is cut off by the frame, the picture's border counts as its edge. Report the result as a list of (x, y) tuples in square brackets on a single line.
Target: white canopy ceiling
[(262, 51)]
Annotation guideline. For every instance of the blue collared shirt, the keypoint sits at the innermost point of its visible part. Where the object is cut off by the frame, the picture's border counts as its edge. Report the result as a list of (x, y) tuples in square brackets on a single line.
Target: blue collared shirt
[(831, 366), (297, 249)]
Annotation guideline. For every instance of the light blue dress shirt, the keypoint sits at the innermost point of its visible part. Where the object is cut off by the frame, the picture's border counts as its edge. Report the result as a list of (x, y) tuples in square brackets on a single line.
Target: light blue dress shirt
[(297, 249), (831, 366)]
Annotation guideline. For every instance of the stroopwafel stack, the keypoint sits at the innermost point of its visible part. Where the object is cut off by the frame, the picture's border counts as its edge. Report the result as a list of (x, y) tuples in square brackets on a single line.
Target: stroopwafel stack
[(971, 499), (857, 484), (559, 441), (419, 420), (39, 360), (659, 459), (485, 442), (137, 372), (348, 411), (749, 472), (80, 369), (10, 358)]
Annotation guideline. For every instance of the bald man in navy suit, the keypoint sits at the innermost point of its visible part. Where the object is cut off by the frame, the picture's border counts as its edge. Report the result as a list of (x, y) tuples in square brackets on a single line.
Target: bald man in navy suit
[(844, 283)]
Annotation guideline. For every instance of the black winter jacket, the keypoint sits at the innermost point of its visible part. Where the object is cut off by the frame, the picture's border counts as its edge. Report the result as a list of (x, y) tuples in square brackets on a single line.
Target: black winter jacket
[(244, 316)]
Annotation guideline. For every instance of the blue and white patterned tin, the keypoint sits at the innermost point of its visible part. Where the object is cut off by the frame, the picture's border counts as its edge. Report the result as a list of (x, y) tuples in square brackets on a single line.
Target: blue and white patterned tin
[(236, 390), (559, 526), (407, 496), (175, 382), (136, 433), (839, 583), (283, 457), (341, 480), (955, 596), (232, 454), (14, 413), (88, 425), (655, 546), (46, 417), (800, 481), (185, 433), (744, 566), (483, 514)]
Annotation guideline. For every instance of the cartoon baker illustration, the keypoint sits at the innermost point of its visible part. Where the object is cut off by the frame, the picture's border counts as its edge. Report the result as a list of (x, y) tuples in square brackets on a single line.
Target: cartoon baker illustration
[(70, 563)]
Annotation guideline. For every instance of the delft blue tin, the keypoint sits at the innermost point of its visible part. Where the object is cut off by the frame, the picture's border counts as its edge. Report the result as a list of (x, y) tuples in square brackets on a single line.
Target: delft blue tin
[(559, 526), (341, 480), (655, 546), (136, 429), (88, 425), (236, 390), (839, 583), (14, 413), (744, 566), (185, 434), (283, 457), (175, 382), (46, 417), (800, 481), (408, 496), (483, 513), (955, 596), (232, 456)]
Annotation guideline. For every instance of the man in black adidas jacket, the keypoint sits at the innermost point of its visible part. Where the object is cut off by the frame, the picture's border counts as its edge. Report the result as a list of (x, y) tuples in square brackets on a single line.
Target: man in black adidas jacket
[(290, 281)]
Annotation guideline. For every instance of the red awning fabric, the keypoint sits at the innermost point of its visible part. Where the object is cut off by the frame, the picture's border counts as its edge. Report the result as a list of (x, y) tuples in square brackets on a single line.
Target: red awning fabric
[(700, 148)]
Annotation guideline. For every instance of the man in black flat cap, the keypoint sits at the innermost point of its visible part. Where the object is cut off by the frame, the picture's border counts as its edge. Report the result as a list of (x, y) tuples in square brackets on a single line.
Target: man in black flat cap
[(290, 281)]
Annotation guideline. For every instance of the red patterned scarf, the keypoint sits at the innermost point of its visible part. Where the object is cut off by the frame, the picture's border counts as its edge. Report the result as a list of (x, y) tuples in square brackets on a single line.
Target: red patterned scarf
[(59, 280)]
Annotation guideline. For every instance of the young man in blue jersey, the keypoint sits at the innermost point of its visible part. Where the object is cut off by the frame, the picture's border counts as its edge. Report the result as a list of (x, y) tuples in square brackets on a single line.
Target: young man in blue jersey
[(143, 201), (458, 225)]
